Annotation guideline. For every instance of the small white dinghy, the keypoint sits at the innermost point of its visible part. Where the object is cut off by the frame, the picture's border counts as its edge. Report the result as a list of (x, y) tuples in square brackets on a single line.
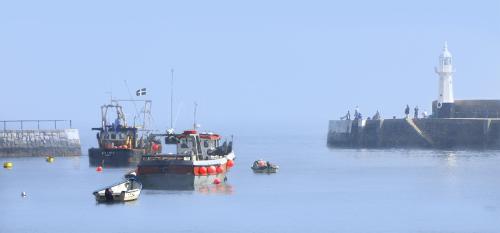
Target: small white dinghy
[(128, 190)]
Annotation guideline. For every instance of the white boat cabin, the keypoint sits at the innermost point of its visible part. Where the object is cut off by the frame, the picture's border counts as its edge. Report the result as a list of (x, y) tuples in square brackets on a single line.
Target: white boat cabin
[(201, 146)]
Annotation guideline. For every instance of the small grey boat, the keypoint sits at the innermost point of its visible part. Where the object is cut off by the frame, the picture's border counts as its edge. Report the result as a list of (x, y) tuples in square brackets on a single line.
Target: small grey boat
[(262, 166)]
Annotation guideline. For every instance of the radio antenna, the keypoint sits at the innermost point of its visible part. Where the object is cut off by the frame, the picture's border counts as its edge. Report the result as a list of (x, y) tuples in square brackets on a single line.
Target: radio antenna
[(194, 123)]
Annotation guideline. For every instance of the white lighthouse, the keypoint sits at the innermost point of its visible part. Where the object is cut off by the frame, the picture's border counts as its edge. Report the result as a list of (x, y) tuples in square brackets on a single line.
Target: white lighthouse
[(445, 99)]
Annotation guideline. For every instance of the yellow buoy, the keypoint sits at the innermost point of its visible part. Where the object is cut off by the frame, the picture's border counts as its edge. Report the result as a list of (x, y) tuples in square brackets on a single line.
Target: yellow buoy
[(8, 165), (50, 159)]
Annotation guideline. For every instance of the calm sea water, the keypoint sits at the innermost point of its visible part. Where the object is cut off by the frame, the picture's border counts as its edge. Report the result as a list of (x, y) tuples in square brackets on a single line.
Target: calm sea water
[(318, 189)]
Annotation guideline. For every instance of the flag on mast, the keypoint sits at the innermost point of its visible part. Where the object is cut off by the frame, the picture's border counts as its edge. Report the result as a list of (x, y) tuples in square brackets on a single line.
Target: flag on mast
[(141, 92)]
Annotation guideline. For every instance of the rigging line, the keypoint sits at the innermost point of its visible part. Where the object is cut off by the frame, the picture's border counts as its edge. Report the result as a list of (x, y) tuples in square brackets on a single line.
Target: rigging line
[(135, 105), (177, 115), (151, 118)]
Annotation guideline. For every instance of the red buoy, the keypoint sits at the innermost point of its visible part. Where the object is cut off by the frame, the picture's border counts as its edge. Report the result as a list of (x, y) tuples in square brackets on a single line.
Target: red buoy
[(196, 170), (219, 169), (156, 147), (216, 181), (211, 170), (230, 163), (202, 171), (99, 169)]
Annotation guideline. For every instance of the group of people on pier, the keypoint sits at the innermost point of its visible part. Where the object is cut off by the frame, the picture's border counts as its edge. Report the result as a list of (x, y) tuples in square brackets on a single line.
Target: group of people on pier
[(377, 116), (357, 115), (415, 112)]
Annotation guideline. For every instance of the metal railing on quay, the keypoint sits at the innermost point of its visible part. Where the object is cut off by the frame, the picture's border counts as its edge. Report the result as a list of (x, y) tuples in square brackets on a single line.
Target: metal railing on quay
[(21, 124)]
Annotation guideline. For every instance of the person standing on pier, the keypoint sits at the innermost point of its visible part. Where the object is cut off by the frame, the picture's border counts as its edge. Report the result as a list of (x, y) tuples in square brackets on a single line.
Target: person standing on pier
[(407, 111), (347, 116), (416, 112)]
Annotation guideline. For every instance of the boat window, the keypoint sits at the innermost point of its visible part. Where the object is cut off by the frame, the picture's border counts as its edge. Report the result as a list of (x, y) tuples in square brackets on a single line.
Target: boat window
[(447, 61), (209, 143), (191, 141), (183, 143), (198, 146)]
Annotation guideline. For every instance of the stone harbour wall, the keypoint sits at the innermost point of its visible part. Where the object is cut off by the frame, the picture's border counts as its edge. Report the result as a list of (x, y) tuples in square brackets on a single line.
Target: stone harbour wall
[(447, 133), (55, 142)]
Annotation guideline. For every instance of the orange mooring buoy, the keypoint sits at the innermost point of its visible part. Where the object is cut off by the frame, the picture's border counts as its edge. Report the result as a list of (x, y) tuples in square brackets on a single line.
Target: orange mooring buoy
[(99, 169), (216, 181), (156, 147)]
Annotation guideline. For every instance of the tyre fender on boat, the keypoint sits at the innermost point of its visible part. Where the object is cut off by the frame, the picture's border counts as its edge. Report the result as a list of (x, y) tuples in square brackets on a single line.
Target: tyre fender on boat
[(211, 170)]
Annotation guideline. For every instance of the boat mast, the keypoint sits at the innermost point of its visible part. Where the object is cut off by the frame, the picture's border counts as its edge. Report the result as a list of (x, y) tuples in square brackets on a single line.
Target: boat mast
[(172, 99)]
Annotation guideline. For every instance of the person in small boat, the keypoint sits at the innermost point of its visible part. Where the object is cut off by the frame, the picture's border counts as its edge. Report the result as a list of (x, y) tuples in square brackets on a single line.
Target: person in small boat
[(260, 164), (108, 194)]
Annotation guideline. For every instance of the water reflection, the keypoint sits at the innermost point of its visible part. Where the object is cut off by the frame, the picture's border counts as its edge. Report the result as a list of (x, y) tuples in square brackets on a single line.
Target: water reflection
[(223, 188), (122, 203), (451, 159), (215, 189), (75, 162)]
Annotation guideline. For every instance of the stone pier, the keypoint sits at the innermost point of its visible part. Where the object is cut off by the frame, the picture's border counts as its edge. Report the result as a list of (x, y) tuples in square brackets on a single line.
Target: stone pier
[(39, 142), (419, 133)]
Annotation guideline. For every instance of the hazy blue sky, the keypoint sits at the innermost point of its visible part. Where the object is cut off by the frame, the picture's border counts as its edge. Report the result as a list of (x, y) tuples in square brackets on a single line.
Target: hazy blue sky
[(251, 65)]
